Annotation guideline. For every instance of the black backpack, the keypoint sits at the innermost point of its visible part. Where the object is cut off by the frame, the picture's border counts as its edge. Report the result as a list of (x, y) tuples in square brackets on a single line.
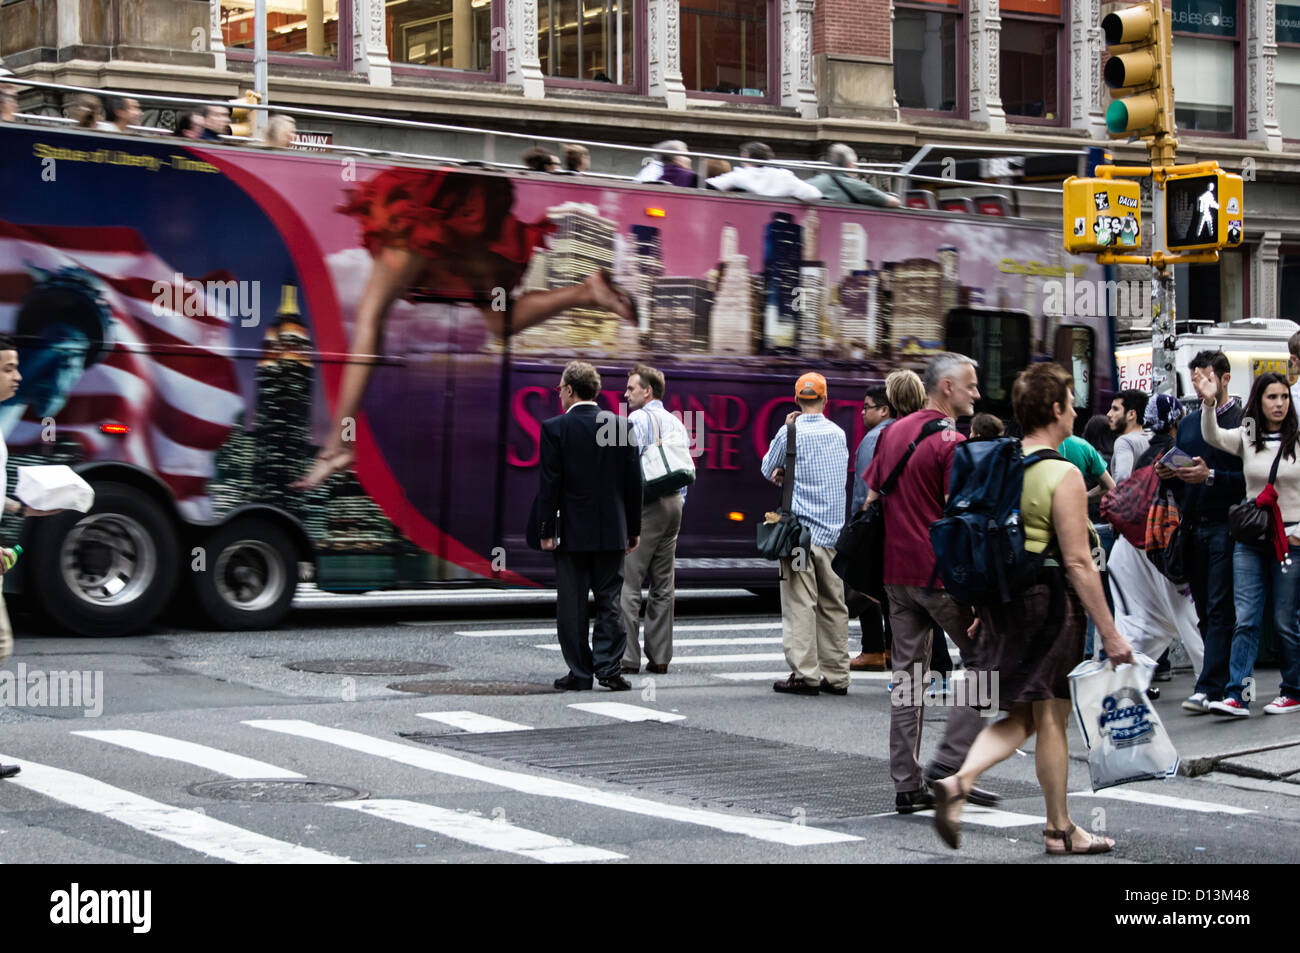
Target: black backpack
[(979, 544)]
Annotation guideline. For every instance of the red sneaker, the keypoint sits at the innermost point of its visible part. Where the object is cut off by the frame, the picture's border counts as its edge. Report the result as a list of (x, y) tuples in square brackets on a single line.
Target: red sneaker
[(1282, 705), (1230, 707)]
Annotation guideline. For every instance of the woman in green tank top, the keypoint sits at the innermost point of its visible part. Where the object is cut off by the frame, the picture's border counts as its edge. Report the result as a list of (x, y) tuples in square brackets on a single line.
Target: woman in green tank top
[(1031, 643)]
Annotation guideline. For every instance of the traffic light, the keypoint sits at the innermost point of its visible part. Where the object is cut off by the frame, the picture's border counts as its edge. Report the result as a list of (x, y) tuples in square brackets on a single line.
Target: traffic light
[(1205, 210), (1139, 71), (243, 122), (1102, 215)]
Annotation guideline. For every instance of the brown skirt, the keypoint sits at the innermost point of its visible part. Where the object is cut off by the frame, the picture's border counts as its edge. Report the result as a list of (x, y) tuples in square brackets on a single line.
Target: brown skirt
[(1033, 642)]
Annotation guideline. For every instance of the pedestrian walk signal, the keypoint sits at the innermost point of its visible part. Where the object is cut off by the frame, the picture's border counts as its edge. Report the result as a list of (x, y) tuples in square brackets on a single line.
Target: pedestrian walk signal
[(1102, 215), (1204, 211)]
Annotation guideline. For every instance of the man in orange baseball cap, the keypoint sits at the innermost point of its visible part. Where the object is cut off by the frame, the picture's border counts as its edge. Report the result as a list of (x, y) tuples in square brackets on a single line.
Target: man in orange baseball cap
[(814, 620)]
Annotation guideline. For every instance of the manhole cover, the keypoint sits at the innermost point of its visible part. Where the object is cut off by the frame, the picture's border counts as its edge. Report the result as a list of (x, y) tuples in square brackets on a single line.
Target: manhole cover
[(275, 789), (366, 666), (450, 686)]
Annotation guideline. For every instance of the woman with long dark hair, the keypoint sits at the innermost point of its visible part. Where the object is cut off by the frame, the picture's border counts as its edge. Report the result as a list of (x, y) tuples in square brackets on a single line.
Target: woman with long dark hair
[(1262, 576)]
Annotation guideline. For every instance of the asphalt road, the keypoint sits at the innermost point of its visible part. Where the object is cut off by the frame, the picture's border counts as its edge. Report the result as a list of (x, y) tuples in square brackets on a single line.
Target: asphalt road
[(712, 765)]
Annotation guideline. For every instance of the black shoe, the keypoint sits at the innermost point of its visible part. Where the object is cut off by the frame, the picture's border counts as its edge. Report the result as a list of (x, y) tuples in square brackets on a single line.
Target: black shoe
[(831, 689), (974, 795), (571, 683), (9, 770), (794, 685), (616, 683), (1153, 693), (909, 802)]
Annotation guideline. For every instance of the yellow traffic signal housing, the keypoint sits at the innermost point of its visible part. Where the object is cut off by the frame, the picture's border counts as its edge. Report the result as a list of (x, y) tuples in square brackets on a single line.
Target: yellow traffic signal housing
[(1204, 210), (1102, 215), (1139, 71), (242, 120)]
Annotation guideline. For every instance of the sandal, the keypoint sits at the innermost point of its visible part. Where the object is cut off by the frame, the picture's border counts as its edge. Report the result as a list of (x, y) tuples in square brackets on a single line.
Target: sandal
[(323, 467), (947, 810), (1096, 845)]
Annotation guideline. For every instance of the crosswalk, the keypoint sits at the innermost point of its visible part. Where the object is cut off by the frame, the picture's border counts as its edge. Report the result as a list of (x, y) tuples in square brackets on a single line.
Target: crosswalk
[(207, 837)]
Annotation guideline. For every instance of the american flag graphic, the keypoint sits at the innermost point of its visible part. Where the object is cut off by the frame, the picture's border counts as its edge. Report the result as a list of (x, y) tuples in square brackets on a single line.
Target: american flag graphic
[(170, 376)]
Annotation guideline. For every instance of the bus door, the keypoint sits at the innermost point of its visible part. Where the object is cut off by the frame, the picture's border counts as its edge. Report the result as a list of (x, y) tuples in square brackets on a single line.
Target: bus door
[(999, 342)]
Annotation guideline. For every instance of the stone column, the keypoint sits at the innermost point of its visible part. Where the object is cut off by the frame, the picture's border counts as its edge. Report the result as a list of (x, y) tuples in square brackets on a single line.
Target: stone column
[(523, 67), (1087, 110), (462, 33), (316, 27), (663, 29), (797, 88), (1261, 57), (369, 46), (216, 43), (985, 30), (1264, 275)]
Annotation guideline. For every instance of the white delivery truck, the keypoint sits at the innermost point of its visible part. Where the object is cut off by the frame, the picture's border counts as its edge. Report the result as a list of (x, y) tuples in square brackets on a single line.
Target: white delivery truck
[(1253, 346)]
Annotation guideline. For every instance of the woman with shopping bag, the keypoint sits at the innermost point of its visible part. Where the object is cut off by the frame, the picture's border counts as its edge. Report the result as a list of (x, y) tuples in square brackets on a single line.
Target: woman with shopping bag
[(1033, 641), (1266, 550)]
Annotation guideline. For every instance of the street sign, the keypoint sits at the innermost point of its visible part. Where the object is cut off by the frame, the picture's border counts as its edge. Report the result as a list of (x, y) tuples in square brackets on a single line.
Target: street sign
[(1102, 215), (1204, 211)]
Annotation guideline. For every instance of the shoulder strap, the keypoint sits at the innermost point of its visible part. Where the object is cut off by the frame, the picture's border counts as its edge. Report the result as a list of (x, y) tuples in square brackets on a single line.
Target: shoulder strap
[(1272, 473), (929, 429), (787, 490), (1045, 454)]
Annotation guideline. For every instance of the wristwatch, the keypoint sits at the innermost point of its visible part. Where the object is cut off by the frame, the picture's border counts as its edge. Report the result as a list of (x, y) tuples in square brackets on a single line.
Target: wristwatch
[(1209, 478)]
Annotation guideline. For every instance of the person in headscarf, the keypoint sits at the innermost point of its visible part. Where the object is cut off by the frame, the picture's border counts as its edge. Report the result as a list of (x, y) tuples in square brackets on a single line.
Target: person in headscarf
[(1151, 611)]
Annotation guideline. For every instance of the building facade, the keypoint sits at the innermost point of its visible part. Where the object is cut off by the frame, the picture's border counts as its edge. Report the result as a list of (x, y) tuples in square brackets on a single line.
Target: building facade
[(885, 76)]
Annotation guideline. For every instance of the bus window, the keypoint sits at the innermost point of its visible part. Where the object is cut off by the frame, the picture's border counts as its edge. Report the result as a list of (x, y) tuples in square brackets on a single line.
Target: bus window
[(999, 342), (1074, 351)]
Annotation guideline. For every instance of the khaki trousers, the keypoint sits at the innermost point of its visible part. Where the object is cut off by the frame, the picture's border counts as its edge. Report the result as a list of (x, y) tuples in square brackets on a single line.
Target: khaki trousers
[(6, 632), (913, 611), (654, 556), (814, 620)]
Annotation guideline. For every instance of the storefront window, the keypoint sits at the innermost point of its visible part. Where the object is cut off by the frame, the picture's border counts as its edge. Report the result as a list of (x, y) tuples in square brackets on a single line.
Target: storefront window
[(308, 27), (1288, 70), (1030, 58), (724, 46), (587, 40), (1205, 65), (925, 56)]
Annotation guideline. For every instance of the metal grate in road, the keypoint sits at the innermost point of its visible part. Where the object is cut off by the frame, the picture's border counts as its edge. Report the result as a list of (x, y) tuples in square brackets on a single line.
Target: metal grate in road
[(713, 768)]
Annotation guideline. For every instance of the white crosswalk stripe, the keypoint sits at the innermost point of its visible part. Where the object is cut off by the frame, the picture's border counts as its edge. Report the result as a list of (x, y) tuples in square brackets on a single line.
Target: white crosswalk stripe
[(472, 721), (201, 756), (188, 829), (779, 832), (1162, 800), (627, 712)]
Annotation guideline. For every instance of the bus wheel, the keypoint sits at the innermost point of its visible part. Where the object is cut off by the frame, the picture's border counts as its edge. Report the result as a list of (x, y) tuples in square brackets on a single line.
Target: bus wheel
[(108, 572), (249, 577)]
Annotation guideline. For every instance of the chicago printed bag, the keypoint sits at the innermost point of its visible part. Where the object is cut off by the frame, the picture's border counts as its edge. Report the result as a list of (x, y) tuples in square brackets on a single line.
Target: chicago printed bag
[(666, 465), (1126, 739)]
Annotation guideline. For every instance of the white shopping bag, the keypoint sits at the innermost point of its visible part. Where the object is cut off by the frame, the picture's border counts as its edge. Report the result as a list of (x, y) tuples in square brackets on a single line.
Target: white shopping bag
[(54, 488), (1126, 739)]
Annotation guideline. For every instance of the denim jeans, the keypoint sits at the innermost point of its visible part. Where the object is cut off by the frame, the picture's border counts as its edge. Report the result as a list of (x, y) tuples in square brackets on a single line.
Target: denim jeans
[(1258, 582), (1209, 574), (1107, 535)]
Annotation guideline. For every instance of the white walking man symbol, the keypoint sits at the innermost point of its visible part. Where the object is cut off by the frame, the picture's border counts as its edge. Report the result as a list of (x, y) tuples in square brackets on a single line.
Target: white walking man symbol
[(1205, 203)]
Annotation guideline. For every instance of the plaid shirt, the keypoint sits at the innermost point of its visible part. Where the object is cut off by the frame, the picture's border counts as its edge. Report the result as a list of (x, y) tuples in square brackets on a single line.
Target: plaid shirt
[(821, 463)]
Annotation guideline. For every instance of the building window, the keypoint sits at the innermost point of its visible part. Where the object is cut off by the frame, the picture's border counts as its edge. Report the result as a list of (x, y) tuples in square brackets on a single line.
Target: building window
[(293, 27), (452, 34), (1032, 45), (1206, 68), (724, 46), (1287, 104), (927, 50), (589, 40)]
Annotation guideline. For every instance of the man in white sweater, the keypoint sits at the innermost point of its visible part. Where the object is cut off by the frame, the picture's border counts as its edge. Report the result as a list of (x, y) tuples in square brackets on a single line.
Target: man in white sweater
[(768, 180)]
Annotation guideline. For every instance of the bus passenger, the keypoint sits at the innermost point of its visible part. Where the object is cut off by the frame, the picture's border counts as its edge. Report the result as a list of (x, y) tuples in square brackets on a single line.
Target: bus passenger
[(280, 130), (85, 110), (450, 237), (769, 180), (576, 159), (842, 183), (538, 159)]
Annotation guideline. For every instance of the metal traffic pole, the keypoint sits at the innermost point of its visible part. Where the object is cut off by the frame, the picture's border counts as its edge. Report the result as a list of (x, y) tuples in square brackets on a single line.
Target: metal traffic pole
[(259, 64), (1163, 338)]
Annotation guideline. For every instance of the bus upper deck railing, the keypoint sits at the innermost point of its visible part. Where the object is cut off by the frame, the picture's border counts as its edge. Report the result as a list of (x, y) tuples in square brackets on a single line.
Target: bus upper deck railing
[(902, 174)]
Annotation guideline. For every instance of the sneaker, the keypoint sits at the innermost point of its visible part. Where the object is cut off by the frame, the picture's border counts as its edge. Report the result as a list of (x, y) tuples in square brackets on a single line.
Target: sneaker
[(1230, 707), (1282, 705), (1198, 704), (1153, 693)]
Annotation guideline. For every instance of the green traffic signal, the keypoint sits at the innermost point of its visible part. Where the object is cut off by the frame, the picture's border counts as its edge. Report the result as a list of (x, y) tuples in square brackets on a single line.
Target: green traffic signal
[(1117, 118)]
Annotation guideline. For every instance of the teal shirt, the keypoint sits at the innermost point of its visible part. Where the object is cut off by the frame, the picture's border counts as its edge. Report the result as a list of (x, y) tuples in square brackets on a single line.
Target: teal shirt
[(1083, 455)]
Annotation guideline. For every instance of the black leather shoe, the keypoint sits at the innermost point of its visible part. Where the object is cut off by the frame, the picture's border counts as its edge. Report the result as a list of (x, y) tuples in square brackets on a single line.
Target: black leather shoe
[(630, 669), (9, 770), (909, 802), (831, 689), (571, 683), (794, 685), (974, 795), (616, 683)]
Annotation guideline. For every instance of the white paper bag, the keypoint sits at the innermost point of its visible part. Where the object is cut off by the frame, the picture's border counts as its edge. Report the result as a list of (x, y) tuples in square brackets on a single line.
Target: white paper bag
[(54, 488), (1126, 739)]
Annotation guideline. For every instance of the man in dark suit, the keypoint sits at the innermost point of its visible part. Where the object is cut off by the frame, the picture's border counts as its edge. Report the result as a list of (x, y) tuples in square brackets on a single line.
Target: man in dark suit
[(589, 513)]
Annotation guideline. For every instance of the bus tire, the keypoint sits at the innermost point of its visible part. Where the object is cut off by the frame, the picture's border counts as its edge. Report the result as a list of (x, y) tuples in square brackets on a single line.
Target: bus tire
[(249, 577), (108, 572)]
